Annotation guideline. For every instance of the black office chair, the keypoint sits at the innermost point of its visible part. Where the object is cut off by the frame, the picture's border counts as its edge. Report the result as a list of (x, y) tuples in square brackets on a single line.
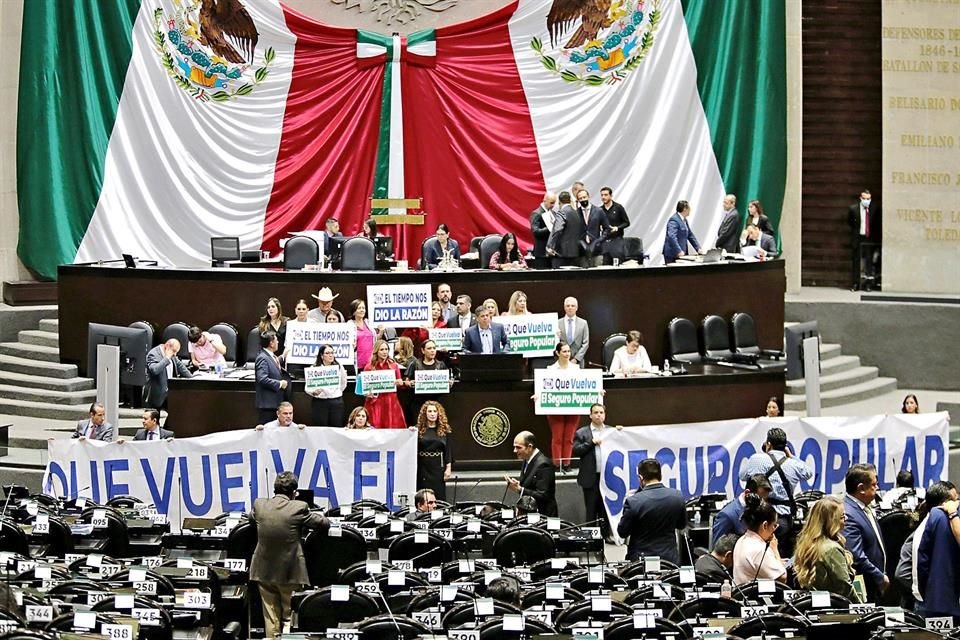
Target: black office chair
[(164, 585), (743, 337), (876, 620), (538, 597), (242, 541), (682, 344), (326, 556), (611, 582), (319, 612), (230, 336), (633, 249), (522, 545), (251, 348), (390, 627), (357, 508), (803, 605), (29, 577), (493, 630), (750, 592), (162, 630), (649, 592), (112, 540), (74, 591), (768, 624), (639, 568), (64, 623), (399, 596), (431, 598), (427, 242), (663, 629), (358, 254), (895, 527), (357, 572), (300, 251), (715, 338), (584, 612), (545, 569), (705, 608), (673, 577), (432, 552), (180, 331), (147, 326), (475, 243), (57, 542), (465, 613), (610, 344), (488, 246)]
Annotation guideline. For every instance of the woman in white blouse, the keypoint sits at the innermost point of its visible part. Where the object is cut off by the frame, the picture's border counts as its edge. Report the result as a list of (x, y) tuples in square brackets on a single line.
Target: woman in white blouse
[(631, 359)]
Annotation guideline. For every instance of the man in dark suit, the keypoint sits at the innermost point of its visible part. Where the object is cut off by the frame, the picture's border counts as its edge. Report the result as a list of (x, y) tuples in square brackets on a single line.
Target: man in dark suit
[(271, 379), (463, 318), (485, 336), (585, 442), (866, 232), (332, 230), (596, 224), (162, 362), (566, 240), (728, 237), (728, 519), (652, 515), (862, 531), (679, 234), (756, 238), (95, 427), (151, 427), (278, 566), (537, 477), (541, 225)]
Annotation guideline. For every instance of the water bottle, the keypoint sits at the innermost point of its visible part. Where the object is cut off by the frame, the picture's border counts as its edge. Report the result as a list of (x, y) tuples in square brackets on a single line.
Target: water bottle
[(666, 367), (218, 368), (725, 589)]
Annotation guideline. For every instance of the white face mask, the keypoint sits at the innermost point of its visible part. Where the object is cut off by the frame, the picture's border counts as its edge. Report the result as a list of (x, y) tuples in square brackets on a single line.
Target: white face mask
[(865, 203)]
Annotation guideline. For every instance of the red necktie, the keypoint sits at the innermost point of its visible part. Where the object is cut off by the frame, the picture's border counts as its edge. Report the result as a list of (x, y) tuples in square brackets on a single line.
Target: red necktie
[(866, 222)]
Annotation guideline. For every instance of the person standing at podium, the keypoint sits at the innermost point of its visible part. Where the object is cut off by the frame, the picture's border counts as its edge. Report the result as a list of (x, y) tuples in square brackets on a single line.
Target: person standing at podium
[(485, 337)]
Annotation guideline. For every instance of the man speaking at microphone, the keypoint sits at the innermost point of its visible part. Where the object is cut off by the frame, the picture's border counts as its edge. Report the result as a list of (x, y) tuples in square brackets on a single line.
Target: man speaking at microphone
[(537, 476), (278, 566)]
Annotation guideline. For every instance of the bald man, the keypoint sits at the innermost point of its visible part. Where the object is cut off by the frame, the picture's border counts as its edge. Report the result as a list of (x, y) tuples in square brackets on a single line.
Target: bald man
[(162, 363), (538, 478), (541, 224)]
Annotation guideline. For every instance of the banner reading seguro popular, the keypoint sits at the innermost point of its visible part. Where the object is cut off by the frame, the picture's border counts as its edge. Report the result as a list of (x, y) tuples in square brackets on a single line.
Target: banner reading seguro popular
[(399, 305), (534, 335), (304, 340), (225, 472), (707, 457)]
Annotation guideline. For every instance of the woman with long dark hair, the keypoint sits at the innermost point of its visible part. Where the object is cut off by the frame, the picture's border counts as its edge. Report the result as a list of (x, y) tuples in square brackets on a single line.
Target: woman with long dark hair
[(756, 556), (508, 257), (327, 404)]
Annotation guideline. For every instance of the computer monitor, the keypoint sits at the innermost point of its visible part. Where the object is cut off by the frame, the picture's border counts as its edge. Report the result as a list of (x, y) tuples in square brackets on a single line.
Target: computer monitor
[(793, 337), (133, 343), (384, 246), (225, 248), (129, 261), (334, 248)]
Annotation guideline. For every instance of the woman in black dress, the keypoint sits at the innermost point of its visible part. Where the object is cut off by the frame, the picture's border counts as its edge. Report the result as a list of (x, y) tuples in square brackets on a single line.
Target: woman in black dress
[(434, 454), (429, 362)]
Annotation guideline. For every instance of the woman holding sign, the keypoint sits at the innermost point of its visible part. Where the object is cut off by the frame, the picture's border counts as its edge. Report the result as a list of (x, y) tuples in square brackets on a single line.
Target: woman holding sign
[(365, 335), (327, 403), (434, 454), (562, 428), (420, 335), (428, 362), (383, 409)]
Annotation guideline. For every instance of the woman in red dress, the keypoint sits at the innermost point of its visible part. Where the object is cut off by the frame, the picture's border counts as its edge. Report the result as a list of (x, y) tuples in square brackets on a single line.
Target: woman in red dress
[(384, 409)]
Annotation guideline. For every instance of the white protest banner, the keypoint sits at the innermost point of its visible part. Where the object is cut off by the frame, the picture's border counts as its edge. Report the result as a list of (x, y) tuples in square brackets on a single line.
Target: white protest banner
[(708, 457), (399, 305), (304, 340), (566, 392), (378, 381), (534, 334), (322, 378), (447, 339), (225, 472), (431, 381)]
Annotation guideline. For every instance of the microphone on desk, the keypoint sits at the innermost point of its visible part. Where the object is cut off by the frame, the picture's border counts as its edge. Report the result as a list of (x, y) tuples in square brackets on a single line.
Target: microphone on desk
[(467, 492)]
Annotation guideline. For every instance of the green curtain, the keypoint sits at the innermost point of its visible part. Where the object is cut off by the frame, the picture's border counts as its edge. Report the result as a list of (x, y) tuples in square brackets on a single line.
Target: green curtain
[(740, 50), (73, 60)]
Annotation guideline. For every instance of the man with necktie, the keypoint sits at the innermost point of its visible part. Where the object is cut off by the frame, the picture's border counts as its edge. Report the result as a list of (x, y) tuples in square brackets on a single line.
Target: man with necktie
[(95, 427), (271, 379), (538, 478), (865, 235), (861, 531), (152, 431), (679, 234), (485, 336), (575, 331)]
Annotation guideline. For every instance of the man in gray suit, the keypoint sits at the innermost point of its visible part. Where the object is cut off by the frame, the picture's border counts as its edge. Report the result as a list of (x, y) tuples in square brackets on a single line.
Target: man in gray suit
[(278, 566), (162, 362), (151, 427), (94, 427), (728, 237), (574, 331)]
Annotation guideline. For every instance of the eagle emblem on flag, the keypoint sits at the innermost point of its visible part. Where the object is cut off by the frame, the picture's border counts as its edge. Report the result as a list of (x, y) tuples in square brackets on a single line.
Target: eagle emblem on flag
[(209, 47), (602, 40)]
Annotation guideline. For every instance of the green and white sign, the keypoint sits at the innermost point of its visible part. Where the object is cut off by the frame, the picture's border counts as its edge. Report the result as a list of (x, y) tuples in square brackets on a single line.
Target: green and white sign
[(432, 381), (566, 392), (534, 335), (322, 378), (379, 381), (447, 339)]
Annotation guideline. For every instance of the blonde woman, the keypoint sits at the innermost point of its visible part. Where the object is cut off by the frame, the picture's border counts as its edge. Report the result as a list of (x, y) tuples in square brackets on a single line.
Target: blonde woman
[(517, 305), (358, 419), (821, 562)]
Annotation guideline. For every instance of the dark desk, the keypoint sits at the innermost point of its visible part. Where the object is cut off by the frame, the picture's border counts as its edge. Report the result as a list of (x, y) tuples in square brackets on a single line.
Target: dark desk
[(611, 300), (707, 393)]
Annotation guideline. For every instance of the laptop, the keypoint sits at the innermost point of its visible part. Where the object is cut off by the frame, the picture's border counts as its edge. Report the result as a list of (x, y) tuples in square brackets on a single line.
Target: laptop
[(712, 255), (129, 261)]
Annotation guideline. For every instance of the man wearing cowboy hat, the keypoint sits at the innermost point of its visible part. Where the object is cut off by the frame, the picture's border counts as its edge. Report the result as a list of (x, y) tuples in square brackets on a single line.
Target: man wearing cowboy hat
[(325, 300)]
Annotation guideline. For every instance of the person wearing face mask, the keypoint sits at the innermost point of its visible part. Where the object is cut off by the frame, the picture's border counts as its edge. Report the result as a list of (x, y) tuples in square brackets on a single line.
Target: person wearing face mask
[(866, 232), (597, 227), (569, 231)]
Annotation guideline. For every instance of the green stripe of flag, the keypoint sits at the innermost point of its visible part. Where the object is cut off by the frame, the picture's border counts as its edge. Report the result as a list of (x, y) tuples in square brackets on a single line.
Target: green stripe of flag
[(740, 51), (73, 62)]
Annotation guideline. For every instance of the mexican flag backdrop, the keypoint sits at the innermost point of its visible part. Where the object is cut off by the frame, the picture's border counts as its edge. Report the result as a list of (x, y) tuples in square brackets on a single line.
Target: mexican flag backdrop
[(146, 127)]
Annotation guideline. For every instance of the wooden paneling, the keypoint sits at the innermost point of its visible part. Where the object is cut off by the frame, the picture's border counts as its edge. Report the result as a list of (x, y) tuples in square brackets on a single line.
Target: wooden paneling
[(842, 129)]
